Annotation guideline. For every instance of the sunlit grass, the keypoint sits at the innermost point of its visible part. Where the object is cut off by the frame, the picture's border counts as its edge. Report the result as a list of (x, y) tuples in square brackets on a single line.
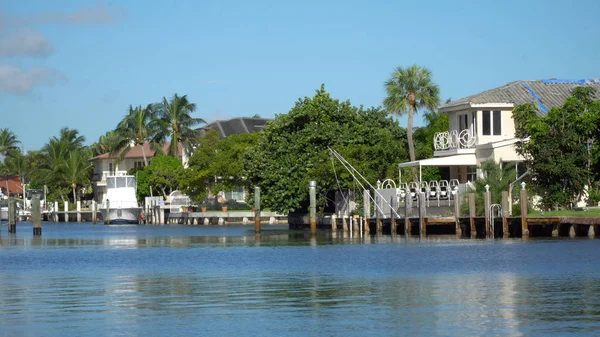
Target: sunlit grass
[(594, 212)]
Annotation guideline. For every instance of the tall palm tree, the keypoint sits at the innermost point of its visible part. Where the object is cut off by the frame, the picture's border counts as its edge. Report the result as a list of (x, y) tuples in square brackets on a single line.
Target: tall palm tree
[(137, 127), (8, 143), (76, 169), (110, 142), (175, 121), (409, 89)]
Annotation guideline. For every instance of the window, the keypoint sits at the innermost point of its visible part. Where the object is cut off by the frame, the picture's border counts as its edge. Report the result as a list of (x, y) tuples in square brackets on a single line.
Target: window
[(491, 123), (138, 164), (111, 167), (463, 122)]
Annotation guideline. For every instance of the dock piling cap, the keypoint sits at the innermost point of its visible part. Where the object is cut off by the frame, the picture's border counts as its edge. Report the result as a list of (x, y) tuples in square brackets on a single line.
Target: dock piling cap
[(312, 184)]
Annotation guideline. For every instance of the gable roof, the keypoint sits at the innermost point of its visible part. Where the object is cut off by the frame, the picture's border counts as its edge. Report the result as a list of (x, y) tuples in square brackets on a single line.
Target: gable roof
[(235, 126), (135, 152), (546, 94), (14, 185)]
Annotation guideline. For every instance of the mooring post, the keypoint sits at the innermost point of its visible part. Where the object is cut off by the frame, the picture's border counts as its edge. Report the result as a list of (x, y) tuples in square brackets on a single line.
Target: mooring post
[(524, 225), (78, 211), (407, 214), (66, 211), (422, 220), (36, 214), (312, 188), (94, 211), (472, 215), (572, 232), (12, 215), (487, 202), (457, 212), (344, 223), (107, 220), (56, 211), (505, 214), (591, 232), (333, 222), (393, 230), (256, 209), (367, 210)]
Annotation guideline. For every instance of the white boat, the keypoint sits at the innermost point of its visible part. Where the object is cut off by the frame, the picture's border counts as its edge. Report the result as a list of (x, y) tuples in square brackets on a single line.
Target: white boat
[(120, 197), (3, 213)]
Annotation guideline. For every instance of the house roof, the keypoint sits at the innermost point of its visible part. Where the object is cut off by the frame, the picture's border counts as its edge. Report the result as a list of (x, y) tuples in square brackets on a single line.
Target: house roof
[(235, 126), (135, 152), (14, 184), (546, 94)]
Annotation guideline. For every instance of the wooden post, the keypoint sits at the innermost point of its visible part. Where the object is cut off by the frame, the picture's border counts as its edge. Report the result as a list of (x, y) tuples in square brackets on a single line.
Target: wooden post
[(422, 220), (591, 232), (505, 214), (56, 211), (36, 215), (78, 211), (333, 222), (524, 225), (66, 211), (487, 202), (572, 232), (344, 223), (312, 189), (12, 216), (457, 213), (393, 230), (107, 220), (472, 214), (256, 209), (367, 210), (407, 214), (94, 212)]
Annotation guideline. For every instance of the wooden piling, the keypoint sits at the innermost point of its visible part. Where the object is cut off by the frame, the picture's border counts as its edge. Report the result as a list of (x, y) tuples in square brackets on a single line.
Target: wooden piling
[(56, 211), (94, 211), (393, 230), (407, 214), (333, 222), (505, 214), (472, 215), (12, 215), (591, 232), (422, 220), (313, 206), (257, 209), (78, 211), (572, 232), (524, 225), (107, 220), (66, 211), (367, 210), (344, 223), (36, 215), (457, 213), (487, 202)]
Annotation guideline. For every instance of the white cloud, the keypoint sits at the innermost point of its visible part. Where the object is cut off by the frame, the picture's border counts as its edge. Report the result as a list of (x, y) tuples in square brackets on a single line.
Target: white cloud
[(25, 42), (21, 81), (98, 14)]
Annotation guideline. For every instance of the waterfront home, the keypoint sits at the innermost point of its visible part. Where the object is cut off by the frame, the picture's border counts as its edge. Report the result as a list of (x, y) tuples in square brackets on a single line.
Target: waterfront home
[(481, 125), (11, 186), (105, 165)]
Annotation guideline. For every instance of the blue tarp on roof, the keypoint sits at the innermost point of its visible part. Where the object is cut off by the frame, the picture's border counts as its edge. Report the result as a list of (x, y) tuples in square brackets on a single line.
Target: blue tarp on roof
[(536, 97), (559, 81)]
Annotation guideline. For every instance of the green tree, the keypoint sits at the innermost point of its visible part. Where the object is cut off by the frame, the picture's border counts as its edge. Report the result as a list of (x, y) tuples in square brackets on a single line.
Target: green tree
[(409, 89), (424, 147), (8, 143), (560, 148), (498, 178), (76, 170), (110, 143), (293, 150), (137, 127), (175, 122), (164, 173)]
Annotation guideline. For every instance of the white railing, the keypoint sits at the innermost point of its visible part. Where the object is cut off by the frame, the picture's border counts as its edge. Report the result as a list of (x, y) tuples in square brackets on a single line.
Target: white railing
[(112, 173), (451, 140)]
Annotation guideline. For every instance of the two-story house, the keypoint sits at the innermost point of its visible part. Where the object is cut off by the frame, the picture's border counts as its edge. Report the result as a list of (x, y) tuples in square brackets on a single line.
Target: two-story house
[(482, 128), (105, 165)]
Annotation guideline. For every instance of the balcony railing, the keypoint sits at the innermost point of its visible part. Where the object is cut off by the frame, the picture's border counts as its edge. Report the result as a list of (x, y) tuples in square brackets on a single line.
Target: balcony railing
[(101, 176), (453, 140)]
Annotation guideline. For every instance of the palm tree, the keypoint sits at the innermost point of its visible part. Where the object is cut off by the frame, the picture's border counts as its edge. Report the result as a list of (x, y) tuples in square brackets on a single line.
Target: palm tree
[(137, 127), (76, 169), (8, 143), (409, 89), (110, 142), (174, 120)]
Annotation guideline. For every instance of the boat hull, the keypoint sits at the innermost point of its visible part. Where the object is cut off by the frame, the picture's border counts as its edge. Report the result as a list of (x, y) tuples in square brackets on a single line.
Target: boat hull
[(4, 214), (129, 215)]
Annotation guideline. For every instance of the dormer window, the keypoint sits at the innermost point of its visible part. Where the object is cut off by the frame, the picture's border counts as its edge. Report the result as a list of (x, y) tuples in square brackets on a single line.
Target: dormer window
[(491, 123)]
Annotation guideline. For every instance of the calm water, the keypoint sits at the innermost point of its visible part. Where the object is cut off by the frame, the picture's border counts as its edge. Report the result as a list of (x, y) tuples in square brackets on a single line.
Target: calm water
[(96, 280)]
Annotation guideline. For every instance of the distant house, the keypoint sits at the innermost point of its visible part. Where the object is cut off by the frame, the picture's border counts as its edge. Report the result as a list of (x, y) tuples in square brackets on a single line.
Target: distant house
[(482, 127), (235, 126), (11, 186), (105, 165)]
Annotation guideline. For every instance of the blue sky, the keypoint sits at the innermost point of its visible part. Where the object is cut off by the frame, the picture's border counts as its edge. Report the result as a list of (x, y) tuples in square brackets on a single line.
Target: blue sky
[(80, 63)]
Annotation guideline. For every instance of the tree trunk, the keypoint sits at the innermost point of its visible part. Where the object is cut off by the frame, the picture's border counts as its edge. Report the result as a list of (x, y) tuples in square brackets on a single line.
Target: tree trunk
[(74, 194), (144, 154), (409, 135)]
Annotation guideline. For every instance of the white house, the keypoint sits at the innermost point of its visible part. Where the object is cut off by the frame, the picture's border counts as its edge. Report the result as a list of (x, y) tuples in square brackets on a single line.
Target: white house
[(482, 128)]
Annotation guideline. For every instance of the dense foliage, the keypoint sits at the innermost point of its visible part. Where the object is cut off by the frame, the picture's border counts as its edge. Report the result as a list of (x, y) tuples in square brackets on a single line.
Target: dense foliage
[(561, 148), (497, 178), (293, 150)]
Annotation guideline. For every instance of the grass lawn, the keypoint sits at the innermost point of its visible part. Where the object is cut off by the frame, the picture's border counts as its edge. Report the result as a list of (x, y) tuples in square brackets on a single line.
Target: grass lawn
[(594, 212)]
